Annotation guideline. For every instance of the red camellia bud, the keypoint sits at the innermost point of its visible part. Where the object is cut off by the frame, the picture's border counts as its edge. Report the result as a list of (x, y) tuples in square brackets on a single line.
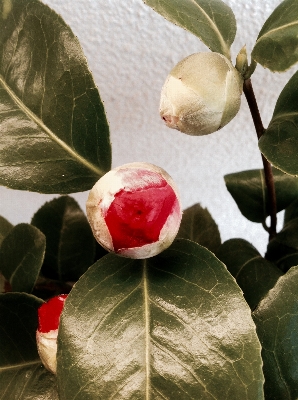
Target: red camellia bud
[(46, 335), (134, 210)]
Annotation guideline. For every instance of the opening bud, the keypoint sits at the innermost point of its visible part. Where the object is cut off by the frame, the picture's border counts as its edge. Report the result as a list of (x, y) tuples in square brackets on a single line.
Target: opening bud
[(201, 94), (134, 210), (47, 332)]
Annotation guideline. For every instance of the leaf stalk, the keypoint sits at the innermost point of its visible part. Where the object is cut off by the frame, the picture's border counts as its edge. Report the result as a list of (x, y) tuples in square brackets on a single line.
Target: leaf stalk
[(269, 179)]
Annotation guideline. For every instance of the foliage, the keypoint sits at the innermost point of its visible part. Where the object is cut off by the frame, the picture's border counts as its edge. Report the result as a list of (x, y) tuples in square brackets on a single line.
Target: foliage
[(199, 320)]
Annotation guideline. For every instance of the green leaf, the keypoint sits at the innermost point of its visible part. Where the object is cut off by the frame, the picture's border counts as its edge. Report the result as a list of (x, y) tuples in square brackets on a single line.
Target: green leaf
[(5, 228), (277, 45), (198, 225), (28, 383), (283, 248), (174, 326), (248, 189), (70, 243), (21, 256), (212, 21), (291, 212), (22, 375), (255, 275), (279, 143), (54, 133), (276, 319), (4, 284), (18, 315)]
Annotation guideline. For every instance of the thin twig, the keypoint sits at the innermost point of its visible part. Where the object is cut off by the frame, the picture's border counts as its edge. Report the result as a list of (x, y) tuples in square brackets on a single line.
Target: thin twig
[(269, 179)]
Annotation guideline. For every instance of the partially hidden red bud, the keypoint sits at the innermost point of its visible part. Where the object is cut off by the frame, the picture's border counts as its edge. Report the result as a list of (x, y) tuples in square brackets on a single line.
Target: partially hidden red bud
[(47, 332), (134, 210)]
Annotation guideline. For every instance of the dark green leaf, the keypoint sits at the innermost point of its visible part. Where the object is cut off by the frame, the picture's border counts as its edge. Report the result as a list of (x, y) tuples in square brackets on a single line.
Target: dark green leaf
[(22, 375), (277, 44), (283, 249), (291, 212), (212, 21), (4, 284), (70, 242), (198, 225), (21, 257), (5, 228), (279, 143), (276, 319), (248, 189), (54, 133), (28, 383), (174, 326), (255, 275), (18, 315)]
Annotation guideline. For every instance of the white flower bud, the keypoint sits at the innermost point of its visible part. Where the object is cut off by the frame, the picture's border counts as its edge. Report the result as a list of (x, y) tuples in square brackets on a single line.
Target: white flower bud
[(201, 94), (134, 210)]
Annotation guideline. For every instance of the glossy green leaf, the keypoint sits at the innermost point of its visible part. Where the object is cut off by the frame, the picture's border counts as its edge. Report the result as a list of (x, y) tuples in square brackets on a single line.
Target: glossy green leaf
[(70, 242), (5, 228), (174, 326), (54, 133), (277, 45), (28, 383), (255, 275), (22, 375), (279, 143), (276, 319), (21, 256), (212, 21), (283, 249), (248, 189), (198, 225)]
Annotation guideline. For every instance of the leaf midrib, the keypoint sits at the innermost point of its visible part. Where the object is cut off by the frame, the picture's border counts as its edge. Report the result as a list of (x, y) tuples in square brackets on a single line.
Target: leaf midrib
[(284, 26), (48, 131), (20, 365), (224, 46), (282, 116)]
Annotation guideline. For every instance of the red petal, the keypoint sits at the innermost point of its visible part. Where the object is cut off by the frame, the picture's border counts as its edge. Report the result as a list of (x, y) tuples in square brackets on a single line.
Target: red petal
[(49, 313)]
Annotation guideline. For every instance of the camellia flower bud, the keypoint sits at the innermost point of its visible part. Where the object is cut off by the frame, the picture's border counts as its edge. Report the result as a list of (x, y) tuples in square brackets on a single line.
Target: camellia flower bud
[(201, 94), (47, 332), (134, 210)]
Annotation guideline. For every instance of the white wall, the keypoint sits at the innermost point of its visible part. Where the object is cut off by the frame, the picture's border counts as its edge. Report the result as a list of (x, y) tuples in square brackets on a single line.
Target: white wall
[(130, 50)]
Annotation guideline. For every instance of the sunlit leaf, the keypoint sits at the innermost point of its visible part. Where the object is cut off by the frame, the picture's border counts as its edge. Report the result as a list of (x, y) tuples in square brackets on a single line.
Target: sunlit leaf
[(255, 275), (198, 225), (54, 133), (279, 143), (21, 257), (212, 21), (248, 189), (276, 319), (277, 44), (70, 242), (174, 326)]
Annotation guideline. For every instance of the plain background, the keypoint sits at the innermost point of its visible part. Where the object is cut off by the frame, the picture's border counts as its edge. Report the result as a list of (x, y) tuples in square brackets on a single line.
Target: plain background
[(130, 50)]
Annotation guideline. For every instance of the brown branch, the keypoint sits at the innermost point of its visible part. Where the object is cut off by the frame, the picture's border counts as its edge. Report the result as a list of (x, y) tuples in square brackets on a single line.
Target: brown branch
[(269, 179)]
